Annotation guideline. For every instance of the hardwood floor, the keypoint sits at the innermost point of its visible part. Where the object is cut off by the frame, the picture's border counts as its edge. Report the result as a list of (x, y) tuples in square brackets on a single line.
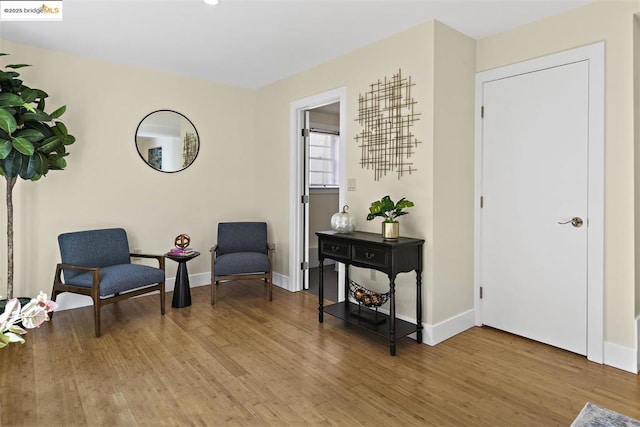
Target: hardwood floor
[(250, 362)]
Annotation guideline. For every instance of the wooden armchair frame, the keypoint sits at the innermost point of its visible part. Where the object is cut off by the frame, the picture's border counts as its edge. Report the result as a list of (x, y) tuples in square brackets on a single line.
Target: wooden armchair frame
[(94, 292), (267, 276)]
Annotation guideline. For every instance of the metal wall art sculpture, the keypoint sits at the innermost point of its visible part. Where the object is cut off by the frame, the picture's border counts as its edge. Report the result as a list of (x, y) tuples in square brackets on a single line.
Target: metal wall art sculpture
[(386, 114)]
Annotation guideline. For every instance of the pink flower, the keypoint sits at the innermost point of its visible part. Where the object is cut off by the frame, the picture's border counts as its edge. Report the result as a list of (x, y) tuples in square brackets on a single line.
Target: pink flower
[(32, 315)]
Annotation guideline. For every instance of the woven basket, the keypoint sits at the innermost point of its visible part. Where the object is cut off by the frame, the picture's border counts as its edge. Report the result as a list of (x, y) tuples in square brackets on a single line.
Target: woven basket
[(367, 297)]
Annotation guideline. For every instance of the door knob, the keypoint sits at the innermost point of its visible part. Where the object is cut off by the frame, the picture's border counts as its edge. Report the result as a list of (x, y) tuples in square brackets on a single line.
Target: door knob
[(575, 221)]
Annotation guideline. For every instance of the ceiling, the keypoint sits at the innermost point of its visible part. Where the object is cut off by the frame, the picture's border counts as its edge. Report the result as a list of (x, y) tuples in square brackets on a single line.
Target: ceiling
[(251, 43)]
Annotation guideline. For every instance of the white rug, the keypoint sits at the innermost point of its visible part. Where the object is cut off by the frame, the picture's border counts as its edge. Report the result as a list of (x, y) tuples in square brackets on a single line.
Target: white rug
[(593, 415)]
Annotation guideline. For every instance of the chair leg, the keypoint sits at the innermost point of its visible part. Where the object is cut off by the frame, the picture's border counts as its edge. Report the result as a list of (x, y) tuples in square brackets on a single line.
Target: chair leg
[(214, 291), (162, 298), (96, 317), (270, 286)]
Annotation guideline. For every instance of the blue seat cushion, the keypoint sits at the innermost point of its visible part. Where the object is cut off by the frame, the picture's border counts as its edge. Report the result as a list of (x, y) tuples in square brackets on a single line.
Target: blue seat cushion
[(241, 263), (120, 278)]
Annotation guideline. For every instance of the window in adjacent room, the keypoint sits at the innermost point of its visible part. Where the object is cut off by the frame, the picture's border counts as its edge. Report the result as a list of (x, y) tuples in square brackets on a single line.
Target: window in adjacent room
[(323, 159)]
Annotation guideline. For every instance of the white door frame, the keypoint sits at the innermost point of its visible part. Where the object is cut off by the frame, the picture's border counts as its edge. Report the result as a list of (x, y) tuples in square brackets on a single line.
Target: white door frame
[(296, 159), (594, 54)]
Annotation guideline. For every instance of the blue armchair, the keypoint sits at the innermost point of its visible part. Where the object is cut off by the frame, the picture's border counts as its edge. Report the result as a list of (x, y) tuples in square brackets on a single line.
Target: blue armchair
[(97, 263), (242, 253)]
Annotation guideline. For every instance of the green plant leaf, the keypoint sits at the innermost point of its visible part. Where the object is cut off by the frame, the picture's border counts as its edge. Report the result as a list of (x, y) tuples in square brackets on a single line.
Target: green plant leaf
[(5, 148), (15, 66), (12, 164), (68, 140), (32, 135), (43, 128), (8, 75), (10, 100), (7, 122), (62, 128), (60, 111), (23, 145), (28, 169), (50, 144), (57, 162), (37, 116), (29, 95), (42, 165)]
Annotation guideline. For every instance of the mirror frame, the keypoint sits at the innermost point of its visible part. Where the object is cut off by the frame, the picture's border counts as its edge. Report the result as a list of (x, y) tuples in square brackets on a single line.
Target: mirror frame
[(187, 121)]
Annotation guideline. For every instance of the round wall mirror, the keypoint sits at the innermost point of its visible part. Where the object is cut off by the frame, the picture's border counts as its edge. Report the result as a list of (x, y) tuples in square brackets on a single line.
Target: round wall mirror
[(167, 141)]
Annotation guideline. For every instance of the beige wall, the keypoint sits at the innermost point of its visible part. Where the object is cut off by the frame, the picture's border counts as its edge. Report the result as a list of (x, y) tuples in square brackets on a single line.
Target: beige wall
[(107, 184), (453, 173), (444, 141), (611, 21), (411, 51)]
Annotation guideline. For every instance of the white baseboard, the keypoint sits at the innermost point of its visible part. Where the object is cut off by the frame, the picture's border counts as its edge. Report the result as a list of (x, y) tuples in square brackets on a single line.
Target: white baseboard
[(621, 357), (68, 301), (435, 334)]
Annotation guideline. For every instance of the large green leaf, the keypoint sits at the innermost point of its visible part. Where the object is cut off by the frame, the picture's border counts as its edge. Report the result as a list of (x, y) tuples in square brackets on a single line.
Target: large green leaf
[(50, 144), (62, 128), (60, 111), (10, 100), (28, 169), (32, 135), (68, 140), (38, 116), (43, 128), (5, 148), (8, 75), (29, 95), (57, 162), (12, 164), (23, 145), (7, 122), (42, 165)]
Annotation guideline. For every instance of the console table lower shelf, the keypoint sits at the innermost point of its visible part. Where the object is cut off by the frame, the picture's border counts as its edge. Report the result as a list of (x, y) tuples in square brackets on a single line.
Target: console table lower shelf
[(378, 323)]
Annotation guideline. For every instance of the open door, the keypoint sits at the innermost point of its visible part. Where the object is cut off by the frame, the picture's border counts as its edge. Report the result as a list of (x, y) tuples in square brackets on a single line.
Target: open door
[(299, 234)]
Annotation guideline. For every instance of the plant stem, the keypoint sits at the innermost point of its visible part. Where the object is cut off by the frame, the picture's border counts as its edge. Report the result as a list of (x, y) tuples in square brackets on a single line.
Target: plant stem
[(11, 181)]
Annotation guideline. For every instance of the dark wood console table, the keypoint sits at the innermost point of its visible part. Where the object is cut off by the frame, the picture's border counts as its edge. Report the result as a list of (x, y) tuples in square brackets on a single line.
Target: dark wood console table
[(370, 250)]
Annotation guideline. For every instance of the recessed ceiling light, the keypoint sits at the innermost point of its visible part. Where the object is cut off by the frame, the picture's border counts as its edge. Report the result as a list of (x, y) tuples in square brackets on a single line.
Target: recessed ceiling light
[(211, 2)]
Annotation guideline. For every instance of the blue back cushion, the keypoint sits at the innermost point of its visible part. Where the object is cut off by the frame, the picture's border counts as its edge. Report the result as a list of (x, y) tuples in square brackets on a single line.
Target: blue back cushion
[(93, 248), (242, 237)]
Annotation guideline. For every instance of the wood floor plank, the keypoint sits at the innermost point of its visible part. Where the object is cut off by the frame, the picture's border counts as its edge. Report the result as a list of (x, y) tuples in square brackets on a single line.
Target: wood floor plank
[(250, 362)]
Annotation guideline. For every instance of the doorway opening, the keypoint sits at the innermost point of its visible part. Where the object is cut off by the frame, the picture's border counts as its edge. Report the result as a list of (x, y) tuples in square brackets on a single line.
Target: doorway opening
[(317, 170)]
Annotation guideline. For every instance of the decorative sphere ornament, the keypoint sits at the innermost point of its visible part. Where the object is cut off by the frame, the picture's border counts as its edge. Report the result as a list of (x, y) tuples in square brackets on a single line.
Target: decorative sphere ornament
[(358, 294), (182, 241), (343, 222)]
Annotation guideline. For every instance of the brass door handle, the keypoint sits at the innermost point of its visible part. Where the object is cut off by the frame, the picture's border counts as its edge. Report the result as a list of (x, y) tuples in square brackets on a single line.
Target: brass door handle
[(575, 221)]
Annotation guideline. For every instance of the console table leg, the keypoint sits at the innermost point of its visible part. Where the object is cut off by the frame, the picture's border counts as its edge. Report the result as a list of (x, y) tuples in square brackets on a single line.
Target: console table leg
[(321, 291), (419, 306), (392, 316)]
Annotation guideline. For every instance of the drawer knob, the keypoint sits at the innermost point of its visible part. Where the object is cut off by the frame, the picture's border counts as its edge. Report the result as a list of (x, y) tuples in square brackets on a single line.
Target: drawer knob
[(369, 255), (335, 248)]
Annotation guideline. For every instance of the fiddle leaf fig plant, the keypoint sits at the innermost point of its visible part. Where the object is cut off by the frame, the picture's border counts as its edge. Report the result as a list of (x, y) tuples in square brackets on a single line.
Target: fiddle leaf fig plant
[(32, 142), (388, 210)]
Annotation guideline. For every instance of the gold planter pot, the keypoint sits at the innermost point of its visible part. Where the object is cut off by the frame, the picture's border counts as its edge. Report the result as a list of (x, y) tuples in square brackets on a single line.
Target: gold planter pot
[(390, 230)]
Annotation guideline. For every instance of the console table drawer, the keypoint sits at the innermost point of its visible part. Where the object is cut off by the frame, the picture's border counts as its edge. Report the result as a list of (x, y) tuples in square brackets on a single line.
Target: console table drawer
[(333, 249), (371, 256)]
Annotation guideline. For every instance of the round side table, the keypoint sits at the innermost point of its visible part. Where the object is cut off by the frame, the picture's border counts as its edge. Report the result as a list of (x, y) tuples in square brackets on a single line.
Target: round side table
[(181, 290)]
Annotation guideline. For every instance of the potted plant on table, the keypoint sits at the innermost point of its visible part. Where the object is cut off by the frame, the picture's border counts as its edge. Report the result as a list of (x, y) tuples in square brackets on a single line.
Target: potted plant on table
[(32, 142), (389, 210)]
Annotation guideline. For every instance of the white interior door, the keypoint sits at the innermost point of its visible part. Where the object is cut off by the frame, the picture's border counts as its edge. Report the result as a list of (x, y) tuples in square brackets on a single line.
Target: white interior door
[(535, 148)]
